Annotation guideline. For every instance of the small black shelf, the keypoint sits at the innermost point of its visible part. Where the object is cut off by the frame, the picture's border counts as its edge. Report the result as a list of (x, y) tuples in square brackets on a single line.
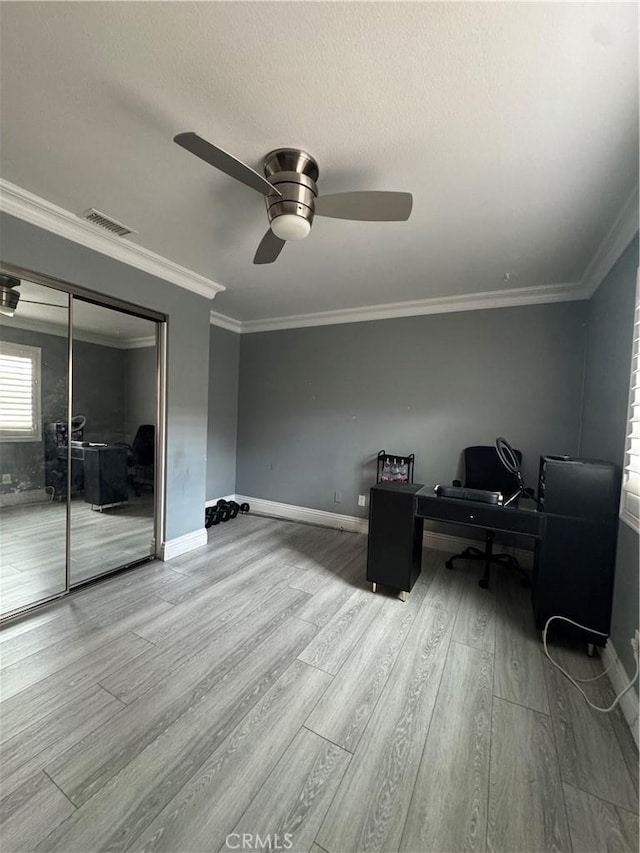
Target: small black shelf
[(393, 468)]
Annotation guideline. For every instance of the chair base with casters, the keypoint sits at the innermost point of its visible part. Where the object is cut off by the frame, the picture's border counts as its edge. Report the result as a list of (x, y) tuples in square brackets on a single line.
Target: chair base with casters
[(489, 558)]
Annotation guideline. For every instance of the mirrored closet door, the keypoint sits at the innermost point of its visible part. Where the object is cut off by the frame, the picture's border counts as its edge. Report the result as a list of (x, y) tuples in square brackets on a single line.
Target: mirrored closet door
[(114, 393), (34, 392), (80, 389)]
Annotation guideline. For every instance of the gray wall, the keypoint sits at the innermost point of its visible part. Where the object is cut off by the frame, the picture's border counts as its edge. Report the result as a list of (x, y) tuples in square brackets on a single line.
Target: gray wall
[(604, 422), (102, 403), (317, 404), (37, 250), (98, 391), (224, 358), (139, 389)]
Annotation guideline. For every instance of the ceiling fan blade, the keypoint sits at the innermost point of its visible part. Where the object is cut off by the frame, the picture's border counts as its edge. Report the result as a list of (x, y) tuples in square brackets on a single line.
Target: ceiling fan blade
[(369, 206), (269, 248), (228, 164)]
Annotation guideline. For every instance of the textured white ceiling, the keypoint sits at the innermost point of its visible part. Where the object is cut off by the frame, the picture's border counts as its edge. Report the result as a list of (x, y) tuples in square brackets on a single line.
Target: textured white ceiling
[(515, 126)]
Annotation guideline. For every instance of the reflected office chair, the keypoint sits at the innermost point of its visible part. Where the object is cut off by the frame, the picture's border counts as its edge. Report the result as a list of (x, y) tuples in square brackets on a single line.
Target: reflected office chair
[(484, 470), (141, 458)]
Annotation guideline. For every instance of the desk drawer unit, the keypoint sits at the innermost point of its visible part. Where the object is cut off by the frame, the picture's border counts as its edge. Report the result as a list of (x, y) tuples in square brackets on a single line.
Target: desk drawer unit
[(474, 514), (105, 476), (394, 551)]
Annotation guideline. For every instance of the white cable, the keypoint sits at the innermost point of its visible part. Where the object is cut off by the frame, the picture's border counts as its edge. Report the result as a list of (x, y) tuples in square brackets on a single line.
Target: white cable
[(575, 681)]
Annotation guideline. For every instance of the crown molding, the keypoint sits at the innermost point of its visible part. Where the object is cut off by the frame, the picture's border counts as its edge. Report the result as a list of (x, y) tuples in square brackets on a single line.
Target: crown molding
[(536, 295), (138, 343), (24, 205), (61, 330), (225, 322), (616, 240)]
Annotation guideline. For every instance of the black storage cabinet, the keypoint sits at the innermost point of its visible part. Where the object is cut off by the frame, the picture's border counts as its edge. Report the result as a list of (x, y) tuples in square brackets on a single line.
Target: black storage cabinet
[(394, 550), (575, 558), (105, 475)]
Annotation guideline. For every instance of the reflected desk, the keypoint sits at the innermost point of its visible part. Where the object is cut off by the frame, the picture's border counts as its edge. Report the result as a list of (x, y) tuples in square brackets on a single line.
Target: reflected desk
[(105, 476), (99, 471)]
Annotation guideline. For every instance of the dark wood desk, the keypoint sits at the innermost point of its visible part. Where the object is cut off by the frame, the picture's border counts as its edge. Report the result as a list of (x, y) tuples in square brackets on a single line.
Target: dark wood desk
[(524, 519), (573, 562)]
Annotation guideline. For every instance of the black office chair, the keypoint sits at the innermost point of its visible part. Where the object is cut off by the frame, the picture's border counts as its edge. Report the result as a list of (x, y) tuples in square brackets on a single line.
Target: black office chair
[(484, 470), (141, 458)]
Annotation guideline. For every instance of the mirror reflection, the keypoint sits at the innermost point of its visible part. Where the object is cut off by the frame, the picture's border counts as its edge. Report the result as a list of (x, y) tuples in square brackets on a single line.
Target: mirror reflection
[(34, 373), (77, 472), (113, 450)]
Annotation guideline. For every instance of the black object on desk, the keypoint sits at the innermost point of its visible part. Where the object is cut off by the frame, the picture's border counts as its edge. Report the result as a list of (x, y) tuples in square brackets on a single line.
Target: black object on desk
[(394, 551)]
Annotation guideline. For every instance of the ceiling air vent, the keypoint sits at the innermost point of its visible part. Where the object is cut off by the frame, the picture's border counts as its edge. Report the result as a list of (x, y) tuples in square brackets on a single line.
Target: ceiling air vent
[(107, 223)]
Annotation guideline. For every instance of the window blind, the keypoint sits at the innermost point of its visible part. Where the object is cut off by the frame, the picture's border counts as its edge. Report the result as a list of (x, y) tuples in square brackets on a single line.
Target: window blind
[(630, 504), (19, 393)]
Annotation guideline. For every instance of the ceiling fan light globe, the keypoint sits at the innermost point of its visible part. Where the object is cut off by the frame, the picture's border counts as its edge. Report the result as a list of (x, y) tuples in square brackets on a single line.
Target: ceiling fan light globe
[(9, 297), (290, 226)]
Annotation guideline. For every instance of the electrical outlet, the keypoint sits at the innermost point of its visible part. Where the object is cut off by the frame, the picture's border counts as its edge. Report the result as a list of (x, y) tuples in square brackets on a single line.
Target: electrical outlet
[(337, 497), (6, 479), (362, 500), (635, 642)]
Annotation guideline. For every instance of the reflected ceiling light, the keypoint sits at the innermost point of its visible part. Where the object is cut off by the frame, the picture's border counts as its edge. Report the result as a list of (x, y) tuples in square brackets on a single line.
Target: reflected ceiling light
[(9, 297)]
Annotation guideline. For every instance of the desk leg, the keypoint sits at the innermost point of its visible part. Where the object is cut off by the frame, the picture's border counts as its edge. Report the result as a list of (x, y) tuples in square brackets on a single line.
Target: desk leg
[(403, 595), (488, 553), (374, 586)]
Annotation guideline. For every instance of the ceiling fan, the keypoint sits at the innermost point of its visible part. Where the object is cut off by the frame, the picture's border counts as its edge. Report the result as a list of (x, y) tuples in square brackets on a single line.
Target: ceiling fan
[(291, 194), (10, 297)]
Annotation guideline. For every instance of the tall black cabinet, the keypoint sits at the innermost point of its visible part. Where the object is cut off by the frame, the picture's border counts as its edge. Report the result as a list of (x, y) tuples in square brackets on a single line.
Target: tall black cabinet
[(395, 536), (575, 558)]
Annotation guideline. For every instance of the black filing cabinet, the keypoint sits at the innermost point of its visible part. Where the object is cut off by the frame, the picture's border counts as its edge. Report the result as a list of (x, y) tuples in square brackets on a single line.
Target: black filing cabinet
[(105, 476), (575, 558), (394, 550)]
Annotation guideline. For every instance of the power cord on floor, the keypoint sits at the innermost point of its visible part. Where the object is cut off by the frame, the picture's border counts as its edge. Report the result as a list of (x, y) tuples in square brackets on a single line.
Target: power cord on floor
[(574, 681)]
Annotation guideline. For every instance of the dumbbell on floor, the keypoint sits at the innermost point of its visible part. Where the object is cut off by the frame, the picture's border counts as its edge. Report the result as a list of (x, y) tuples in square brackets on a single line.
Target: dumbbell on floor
[(223, 511)]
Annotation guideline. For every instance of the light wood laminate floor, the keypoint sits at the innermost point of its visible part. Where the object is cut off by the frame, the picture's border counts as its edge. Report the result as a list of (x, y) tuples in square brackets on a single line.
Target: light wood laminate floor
[(33, 545), (257, 687)]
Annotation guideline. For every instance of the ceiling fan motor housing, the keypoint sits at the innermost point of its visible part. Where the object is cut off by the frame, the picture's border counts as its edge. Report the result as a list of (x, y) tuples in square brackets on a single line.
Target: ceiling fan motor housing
[(294, 173)]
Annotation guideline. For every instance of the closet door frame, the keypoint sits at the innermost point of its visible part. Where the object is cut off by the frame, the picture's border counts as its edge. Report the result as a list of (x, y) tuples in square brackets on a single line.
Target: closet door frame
[(161, 321)]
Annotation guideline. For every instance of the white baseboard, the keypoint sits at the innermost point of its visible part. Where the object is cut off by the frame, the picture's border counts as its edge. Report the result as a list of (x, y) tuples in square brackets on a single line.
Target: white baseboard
[(28, 496), (306, 514), (182, 544), (619, 680)]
